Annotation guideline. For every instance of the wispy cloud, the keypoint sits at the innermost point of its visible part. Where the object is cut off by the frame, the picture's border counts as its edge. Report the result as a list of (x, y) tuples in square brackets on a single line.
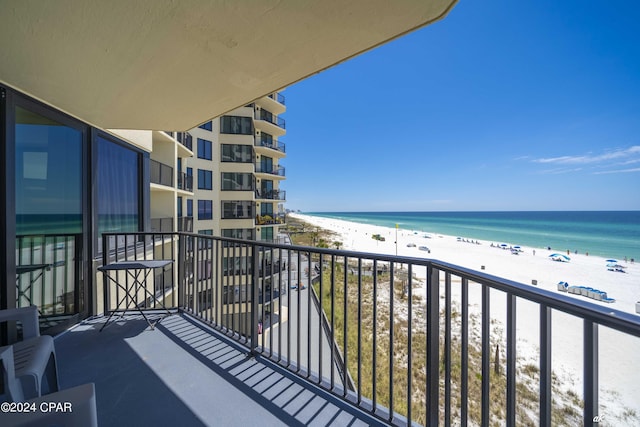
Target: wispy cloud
[(618, 171), (591, 158), (559, 171)]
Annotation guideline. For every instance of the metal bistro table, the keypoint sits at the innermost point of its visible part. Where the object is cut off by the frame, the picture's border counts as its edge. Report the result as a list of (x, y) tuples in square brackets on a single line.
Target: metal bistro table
[(139, 271)]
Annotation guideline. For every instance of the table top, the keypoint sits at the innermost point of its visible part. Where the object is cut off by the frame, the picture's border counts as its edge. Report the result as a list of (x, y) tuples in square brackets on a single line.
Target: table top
[(136, 264), (20, 269)]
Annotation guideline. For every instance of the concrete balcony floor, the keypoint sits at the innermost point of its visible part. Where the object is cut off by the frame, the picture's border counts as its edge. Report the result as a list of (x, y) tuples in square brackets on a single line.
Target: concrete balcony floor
[(184, 373)]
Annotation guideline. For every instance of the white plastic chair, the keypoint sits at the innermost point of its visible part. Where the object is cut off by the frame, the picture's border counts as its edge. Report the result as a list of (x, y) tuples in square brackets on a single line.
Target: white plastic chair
[(34, 357), (73, 407)]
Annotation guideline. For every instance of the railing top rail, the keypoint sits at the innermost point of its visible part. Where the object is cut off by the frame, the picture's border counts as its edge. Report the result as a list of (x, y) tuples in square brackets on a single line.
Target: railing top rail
[(616, 319)]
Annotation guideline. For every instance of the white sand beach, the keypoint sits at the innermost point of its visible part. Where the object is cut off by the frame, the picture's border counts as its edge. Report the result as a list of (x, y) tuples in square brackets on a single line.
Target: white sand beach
[(619, 353)]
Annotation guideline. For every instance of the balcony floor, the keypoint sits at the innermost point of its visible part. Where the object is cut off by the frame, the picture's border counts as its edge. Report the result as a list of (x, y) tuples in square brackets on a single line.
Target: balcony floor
[(185, 373)]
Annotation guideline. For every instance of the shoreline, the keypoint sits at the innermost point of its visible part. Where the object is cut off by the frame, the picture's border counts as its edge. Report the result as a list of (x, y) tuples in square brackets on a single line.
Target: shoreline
[(619, 376), (530, 264)]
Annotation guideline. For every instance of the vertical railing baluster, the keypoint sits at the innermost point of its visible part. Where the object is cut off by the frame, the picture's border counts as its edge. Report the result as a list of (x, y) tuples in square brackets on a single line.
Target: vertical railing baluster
[(545, 365), (359, 330), (298, 325), (391, 338), (486, 354), (288, 289), (511, 359), (332, 336), (254, 299), (320, 333), (409, 341), (374, 346), (270, 301), (590, 363), (447, 349), (345, 371), (308, 320), (433, 344), (280, 271)]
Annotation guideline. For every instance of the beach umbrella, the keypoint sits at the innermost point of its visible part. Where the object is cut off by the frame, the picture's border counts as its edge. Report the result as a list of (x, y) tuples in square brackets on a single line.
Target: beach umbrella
[(504, 245), (559, 257), (612, 260)]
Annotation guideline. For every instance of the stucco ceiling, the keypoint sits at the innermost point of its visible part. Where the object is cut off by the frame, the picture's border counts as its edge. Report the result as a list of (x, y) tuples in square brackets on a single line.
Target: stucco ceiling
[(173, 64)]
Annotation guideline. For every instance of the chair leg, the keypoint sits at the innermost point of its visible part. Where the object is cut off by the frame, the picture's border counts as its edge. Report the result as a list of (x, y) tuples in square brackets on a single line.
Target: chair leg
[(51, 375)]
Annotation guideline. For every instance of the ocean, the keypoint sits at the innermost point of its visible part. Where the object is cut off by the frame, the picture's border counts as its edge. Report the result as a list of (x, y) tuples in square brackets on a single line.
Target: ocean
[(611, 234)]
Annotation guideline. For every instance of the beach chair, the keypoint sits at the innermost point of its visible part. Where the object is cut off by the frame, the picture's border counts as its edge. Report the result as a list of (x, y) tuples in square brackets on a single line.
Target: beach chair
[(573, 290), (563, 286), (34, 357)]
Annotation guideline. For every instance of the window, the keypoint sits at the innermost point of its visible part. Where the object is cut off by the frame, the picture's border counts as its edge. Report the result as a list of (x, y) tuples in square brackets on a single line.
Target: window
[(205, 179), (238, 233), (48, 175), (236, 153), (118, 184), (189, 208), (236, 125), (237, 209), (204, 149), (205, 209), (208, 232), (266, 209), (237, 181), (266, 233), (179, 207), (206, 126)]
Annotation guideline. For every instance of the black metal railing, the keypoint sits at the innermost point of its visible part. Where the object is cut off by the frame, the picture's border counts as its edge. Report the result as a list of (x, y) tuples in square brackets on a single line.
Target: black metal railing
[(185, 139), (185, 223), (278, 97), (185, 182), (162, 225), (48, 275), (274, 145), (270, 169), (270, 117), (160, 173), (271, 194), (407, 340)]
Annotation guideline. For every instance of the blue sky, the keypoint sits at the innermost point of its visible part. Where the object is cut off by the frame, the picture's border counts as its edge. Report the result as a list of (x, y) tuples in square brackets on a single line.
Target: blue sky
[(503, 105)]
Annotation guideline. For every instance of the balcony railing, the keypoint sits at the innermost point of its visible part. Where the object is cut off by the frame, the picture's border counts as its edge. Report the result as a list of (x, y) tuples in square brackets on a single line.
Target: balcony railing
[(161, 174), (269, 117), (49, 275), (185, 139), (278, 97), (185, 182), (185, 223), (406, 340), (161, 225), (274, 145), (271, 194), (270, 219), (270, 169)]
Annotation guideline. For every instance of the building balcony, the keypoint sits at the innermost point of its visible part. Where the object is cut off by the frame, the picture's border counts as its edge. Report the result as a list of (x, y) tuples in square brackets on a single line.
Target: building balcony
[(270, 146), (185, 182), (277, 170), (269, 122), (271, 219), (271, 195), (160, 173), (185, 223), (185, 139), (162, 225), (278, 97), (344, 337)]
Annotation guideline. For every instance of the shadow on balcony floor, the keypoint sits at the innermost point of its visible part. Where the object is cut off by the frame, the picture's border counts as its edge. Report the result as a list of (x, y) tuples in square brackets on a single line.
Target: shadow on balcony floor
[(184, 373)]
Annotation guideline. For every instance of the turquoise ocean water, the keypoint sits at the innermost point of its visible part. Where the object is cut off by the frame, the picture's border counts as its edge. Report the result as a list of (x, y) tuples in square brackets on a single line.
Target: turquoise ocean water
[(611, 234)]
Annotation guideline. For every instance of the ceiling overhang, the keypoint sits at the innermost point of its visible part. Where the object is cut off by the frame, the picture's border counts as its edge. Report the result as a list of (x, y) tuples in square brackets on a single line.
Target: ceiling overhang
[(169, 64)]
